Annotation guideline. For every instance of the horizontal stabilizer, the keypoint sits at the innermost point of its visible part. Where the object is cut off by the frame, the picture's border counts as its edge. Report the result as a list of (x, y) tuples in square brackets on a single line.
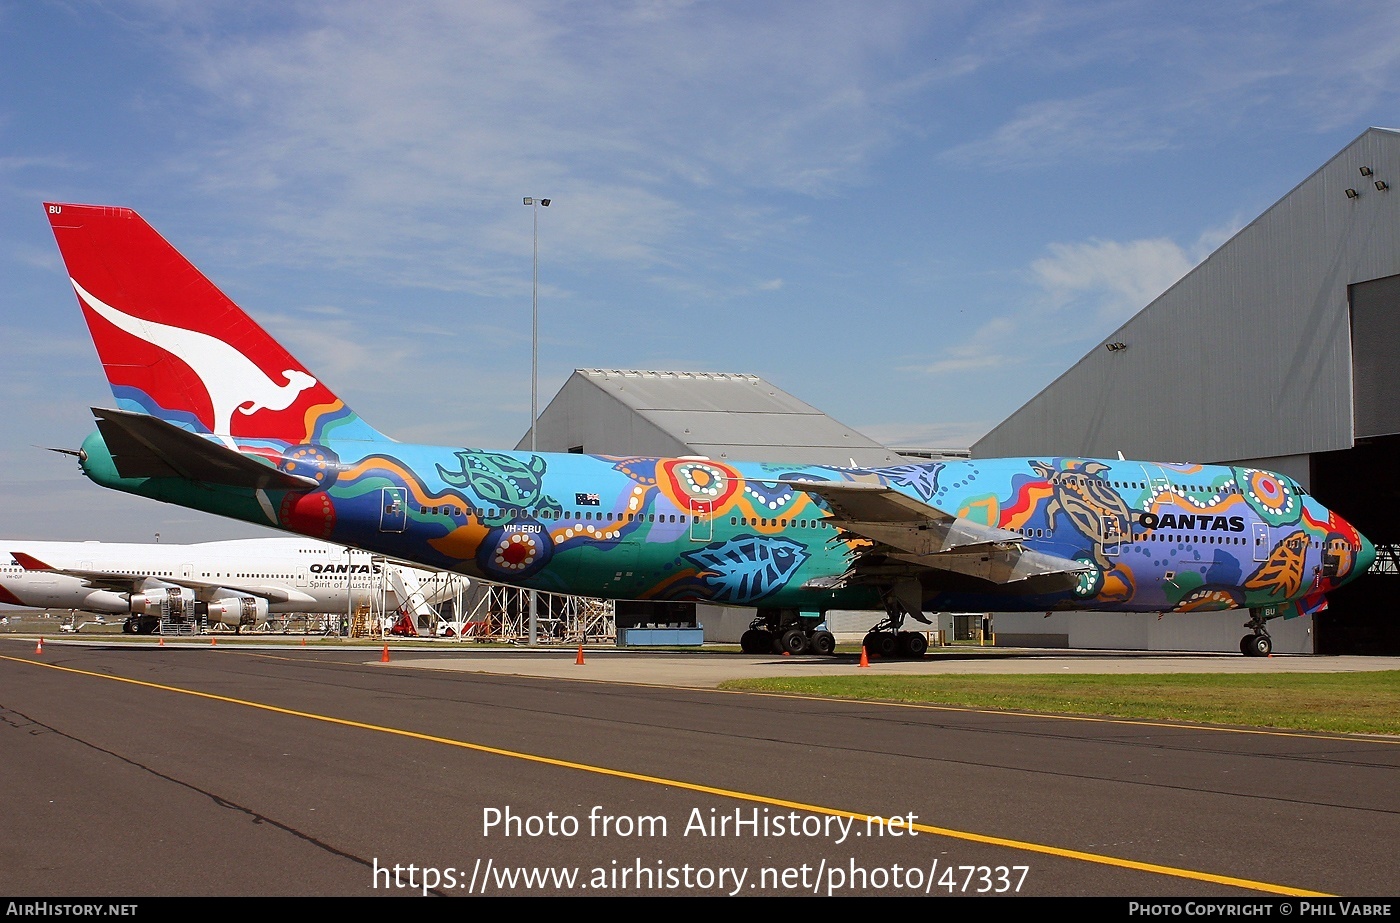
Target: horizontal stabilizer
[(147, 447)]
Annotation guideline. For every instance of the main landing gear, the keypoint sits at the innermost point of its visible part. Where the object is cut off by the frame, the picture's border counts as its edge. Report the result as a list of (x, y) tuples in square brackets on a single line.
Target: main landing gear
[(787, 631), (1258, 644), (881, 642), (888, 639), (141, 625)]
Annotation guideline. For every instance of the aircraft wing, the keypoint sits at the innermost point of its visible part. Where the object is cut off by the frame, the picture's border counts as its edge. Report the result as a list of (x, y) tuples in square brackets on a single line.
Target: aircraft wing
[(915, 532), (136, 583)]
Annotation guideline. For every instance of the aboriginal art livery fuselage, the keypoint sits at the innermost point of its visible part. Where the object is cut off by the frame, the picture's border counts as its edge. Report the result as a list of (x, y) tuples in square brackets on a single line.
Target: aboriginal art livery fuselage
[(259, 438)]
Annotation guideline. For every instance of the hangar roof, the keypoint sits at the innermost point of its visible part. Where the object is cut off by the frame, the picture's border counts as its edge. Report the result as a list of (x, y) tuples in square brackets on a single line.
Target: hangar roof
[(738, 417)]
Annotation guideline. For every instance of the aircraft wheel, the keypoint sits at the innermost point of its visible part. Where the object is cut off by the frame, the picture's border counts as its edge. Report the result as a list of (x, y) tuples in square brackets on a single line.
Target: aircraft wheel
[(886, 644), (870, 642), (754, 641), (129, 627), (1244, 644), (794, 641), (822, 642), (1260, 646), (913, 644)]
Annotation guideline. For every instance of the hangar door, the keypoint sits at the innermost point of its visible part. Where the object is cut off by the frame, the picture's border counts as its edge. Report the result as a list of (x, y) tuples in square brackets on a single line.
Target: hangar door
[(1375, 349), (1361, 483)]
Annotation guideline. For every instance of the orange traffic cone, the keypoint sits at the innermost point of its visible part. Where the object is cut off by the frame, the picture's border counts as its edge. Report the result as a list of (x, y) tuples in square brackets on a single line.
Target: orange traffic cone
[(864, 657), (384, 657), (213, 642), (579, 659), (39, 648), (303, 642), (161, 643)]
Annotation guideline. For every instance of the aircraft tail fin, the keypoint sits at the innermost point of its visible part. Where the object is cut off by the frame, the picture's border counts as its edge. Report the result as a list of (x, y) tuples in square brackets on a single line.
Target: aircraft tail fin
[(28, 561), (175, 347)]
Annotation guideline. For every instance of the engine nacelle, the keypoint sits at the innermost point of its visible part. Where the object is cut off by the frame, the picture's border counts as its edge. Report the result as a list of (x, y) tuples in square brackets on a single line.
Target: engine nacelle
[(236, 611), (169, 602)]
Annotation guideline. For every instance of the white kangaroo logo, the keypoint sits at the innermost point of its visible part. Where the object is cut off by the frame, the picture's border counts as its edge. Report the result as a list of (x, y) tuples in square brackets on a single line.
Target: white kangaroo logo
[(231, 379)]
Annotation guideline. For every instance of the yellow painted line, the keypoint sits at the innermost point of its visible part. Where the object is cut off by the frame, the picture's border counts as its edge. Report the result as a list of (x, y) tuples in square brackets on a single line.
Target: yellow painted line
[(948, 832)]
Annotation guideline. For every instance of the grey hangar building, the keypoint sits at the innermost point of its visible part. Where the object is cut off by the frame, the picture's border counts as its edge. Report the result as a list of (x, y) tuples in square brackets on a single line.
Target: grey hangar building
[(1281, 351)]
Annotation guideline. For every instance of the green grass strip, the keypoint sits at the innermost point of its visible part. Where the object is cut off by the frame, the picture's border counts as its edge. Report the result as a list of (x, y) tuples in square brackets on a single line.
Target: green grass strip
[(1348, 703)]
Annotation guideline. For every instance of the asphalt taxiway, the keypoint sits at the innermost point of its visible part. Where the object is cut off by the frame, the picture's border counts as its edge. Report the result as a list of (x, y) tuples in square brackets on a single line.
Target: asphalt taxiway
[(219, 770)]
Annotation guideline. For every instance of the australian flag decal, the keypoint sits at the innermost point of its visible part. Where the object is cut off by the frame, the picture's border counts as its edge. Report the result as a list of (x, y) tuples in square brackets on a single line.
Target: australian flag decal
[(585, 499)]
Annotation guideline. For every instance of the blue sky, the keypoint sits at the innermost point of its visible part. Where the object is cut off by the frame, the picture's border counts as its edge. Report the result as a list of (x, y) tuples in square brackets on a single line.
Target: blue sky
[(913, 216)]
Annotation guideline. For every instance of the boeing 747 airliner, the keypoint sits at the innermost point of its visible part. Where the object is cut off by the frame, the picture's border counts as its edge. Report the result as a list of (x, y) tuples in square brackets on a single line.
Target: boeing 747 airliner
[(214, 414)]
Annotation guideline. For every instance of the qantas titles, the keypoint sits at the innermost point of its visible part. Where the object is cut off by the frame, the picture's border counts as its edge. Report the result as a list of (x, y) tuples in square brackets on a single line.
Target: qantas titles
[(1202, 521), (343, 569)]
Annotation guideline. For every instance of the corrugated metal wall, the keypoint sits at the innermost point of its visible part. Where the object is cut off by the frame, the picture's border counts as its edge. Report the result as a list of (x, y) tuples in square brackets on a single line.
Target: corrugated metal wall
[(1249, 355)]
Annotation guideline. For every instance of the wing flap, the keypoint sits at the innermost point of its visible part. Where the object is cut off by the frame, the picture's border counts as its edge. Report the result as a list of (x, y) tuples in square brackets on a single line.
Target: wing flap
[(919, 533), (900, 520)]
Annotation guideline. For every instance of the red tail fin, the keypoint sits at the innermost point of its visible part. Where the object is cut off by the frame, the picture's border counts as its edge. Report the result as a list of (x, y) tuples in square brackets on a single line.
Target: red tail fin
[(175, 347), (28, 561)]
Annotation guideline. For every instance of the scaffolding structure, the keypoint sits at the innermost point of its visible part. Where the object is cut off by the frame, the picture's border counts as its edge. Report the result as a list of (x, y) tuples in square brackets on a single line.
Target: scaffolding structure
[(495, 613), (448, 605), (1387, 560)]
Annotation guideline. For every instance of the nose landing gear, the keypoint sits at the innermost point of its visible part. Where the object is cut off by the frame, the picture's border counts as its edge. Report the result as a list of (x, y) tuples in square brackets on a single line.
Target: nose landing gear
[(1260, 645), (1257, 644)]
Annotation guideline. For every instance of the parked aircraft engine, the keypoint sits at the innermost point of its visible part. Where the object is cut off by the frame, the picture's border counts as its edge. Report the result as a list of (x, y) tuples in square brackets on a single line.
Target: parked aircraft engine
[(172, 602), (237, 611)]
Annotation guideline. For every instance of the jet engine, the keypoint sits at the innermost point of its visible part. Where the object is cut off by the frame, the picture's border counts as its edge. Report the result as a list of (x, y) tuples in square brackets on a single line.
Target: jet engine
[(170, 602), (237, 611)]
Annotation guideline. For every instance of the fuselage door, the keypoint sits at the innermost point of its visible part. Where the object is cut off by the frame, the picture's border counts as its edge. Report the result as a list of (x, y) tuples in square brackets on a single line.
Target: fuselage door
[(393, 516), (1157, 481), (1113, 533), (1261, 541), (702, 526), (303, 578)]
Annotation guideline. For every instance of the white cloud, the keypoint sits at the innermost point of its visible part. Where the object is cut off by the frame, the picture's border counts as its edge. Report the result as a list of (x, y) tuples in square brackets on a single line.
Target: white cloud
[(364, 130), (1117, 278), (1099, 283), (1103, 126), (986, 348), (1114, 279), (949, 435)]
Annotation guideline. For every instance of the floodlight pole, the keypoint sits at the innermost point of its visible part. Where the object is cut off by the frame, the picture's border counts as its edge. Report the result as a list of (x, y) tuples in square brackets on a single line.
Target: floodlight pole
[(534, 204)]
